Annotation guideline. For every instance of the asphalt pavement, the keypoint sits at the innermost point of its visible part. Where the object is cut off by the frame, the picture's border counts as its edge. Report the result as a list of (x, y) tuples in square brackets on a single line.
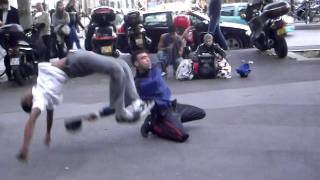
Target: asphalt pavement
[(262, 127)]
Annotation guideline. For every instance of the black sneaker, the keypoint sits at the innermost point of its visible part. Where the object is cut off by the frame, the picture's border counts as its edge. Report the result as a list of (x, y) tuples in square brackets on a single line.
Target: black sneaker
[(146, 127), (106, 111)]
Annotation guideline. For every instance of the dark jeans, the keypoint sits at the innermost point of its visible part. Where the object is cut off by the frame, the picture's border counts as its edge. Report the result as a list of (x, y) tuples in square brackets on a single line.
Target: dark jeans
[(166, 60), (73, 37), (214, 29), (47, 42), (7, 65), (61, 47), (169, 125)]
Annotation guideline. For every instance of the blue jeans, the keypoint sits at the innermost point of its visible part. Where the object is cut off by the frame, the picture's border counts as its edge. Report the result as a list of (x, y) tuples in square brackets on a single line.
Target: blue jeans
[(73, 37), (214, 29), (166, 60)]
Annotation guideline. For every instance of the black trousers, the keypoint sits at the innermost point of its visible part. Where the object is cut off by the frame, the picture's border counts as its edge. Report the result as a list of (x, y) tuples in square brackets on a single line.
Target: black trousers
[(47, 42), (7, 65), (169, 125)]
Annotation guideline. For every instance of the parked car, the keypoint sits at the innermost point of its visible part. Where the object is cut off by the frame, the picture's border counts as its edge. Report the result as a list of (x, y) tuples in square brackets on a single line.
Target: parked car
[(157, 22), (231, 13)]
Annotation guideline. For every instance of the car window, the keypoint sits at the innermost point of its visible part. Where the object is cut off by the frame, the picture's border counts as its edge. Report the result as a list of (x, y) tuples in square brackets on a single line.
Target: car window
[(194, 20), (227, 11), (156, 20), (241, 9)]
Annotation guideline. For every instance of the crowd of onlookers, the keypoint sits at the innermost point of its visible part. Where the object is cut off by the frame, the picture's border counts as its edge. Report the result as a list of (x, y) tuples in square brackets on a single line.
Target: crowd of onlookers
[(57, 28)]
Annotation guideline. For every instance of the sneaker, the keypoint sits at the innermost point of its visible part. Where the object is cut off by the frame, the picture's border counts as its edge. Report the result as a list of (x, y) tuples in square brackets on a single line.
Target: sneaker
[(137, 110), (137, 105), (146, 127), (106, 111), (163, 74)]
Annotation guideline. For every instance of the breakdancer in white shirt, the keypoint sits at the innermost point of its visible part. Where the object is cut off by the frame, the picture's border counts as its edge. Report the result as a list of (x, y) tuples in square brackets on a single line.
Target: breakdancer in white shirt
[(47, 93)]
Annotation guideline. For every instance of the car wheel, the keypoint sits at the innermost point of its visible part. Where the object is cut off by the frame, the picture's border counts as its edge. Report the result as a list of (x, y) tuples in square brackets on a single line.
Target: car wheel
[(234, 43)]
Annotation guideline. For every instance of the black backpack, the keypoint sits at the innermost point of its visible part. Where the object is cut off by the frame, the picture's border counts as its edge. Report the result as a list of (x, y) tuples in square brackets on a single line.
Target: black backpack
[(207, 67)]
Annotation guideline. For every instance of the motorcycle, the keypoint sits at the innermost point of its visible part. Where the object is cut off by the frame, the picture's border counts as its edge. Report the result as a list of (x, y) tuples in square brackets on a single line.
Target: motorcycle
[(135, 32), (307, 11), (267, 27), (102, 32), (22, 56)]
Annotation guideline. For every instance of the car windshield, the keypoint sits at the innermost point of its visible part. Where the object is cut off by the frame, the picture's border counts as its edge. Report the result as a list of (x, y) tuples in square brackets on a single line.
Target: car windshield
[(201, 16), (156, 20), (227, 11)]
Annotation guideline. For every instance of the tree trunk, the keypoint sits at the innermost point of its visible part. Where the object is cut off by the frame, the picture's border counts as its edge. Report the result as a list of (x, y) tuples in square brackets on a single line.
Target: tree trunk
[(24, 8)]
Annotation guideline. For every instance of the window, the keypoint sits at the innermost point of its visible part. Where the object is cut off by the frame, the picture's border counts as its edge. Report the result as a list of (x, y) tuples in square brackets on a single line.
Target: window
[(194, 20), (156, 20), (242, 9), (227, 11)]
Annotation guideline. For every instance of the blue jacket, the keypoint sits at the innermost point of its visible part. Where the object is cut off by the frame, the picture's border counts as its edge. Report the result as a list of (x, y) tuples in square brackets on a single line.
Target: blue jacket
[(151, 86)]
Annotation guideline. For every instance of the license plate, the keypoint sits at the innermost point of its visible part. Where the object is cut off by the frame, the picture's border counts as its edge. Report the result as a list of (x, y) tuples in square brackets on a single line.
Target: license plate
[(14, 61), (106, 49), (281, 31)]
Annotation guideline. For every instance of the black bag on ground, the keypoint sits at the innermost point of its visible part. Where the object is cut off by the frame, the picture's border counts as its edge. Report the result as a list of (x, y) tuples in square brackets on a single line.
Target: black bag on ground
[(205, 66)]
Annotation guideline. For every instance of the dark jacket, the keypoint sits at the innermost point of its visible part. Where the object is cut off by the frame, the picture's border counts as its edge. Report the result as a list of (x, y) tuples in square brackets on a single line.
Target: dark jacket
[(214, 48), (151, 86), (74, 16), (13, 16), (214, 8)]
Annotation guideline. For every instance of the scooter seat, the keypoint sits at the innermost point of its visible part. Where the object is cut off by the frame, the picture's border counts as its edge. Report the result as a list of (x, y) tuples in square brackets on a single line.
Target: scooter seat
[(276, 9)]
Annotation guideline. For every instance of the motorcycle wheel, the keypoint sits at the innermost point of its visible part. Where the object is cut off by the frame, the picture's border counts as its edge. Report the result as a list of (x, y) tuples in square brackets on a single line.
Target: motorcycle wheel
[(18, 77), (280, 47)]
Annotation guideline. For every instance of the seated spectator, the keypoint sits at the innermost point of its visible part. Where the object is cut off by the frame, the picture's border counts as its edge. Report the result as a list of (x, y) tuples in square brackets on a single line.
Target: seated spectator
[(170, 50), (221, 65)]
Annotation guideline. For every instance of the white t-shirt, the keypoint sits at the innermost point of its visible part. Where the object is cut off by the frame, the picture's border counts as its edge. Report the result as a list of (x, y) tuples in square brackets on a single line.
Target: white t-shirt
[(47, 93)]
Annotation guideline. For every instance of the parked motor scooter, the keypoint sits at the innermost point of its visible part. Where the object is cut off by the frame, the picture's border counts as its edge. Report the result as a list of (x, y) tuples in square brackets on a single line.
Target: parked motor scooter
[(22, 56), (267, 27), (135, 32), (102, 32)]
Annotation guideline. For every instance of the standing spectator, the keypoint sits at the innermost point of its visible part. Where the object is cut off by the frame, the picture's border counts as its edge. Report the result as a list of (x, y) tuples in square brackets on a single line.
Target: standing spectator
[(60, 21), (170, 49), (8, 15), (214, 27), (74, 22), (42, 21)]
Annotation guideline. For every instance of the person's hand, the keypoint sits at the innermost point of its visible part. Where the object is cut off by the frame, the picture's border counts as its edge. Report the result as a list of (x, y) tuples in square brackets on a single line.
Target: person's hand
[(1, 23)]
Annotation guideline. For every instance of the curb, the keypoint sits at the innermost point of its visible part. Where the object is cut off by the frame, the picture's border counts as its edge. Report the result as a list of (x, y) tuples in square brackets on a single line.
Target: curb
[(301, 26)]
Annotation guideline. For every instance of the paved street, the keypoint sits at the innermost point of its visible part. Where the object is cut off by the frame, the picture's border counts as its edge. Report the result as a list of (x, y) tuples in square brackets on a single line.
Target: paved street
[(263, 127)]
